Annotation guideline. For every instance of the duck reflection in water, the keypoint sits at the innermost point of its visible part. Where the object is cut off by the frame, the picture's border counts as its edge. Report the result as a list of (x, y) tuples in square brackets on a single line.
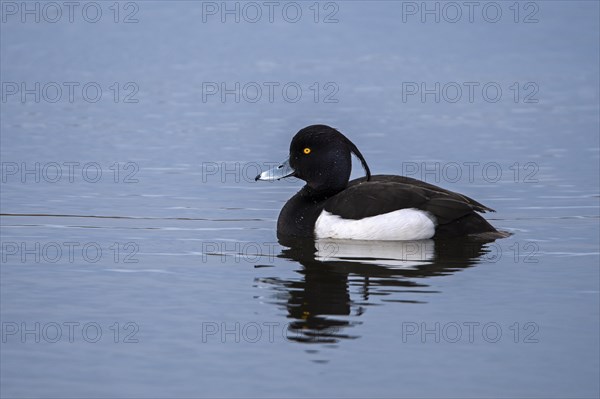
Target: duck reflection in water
[(341, 277)]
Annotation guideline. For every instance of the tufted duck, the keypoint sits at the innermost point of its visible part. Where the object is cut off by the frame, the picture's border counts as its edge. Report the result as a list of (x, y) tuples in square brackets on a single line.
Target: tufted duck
[(380, 207)]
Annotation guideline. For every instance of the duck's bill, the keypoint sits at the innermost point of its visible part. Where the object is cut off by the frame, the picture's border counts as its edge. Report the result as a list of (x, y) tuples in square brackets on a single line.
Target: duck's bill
[(279, 172)]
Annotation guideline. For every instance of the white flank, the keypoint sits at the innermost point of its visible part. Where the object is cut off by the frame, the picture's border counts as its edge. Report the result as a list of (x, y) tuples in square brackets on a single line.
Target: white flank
[(400, 225)]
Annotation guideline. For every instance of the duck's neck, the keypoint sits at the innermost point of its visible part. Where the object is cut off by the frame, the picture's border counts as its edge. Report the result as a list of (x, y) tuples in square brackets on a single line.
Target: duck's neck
[(323, 191)]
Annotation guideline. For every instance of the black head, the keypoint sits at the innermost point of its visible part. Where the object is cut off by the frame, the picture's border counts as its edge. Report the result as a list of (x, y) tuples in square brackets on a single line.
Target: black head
[(321, 156)]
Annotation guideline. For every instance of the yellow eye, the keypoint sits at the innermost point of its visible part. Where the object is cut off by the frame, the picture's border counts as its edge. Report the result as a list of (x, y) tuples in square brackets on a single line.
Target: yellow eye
[(307, 150)]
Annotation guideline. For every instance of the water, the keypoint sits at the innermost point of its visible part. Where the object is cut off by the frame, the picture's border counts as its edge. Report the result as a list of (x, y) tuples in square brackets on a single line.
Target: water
[(163, 275)]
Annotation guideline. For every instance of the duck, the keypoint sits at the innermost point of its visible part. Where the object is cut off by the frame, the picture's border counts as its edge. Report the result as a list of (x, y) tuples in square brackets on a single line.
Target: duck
[(372, 207)]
